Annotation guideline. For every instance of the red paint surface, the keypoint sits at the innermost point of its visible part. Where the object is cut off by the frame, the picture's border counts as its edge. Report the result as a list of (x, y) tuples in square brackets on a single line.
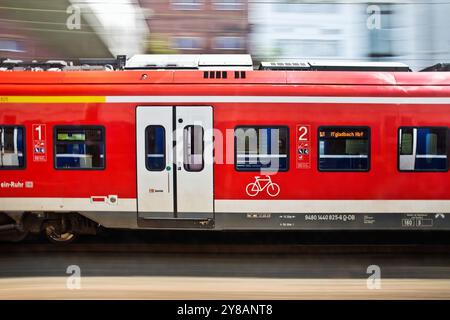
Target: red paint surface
[(383, 181)]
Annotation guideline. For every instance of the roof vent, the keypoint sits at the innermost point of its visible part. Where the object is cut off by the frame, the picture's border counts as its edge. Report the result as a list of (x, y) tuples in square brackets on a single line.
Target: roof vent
[(284, 66)]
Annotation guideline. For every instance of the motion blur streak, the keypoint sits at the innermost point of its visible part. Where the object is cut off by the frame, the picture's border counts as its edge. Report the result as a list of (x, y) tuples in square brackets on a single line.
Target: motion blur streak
[(220, 288), (37, 274), (413, 32)]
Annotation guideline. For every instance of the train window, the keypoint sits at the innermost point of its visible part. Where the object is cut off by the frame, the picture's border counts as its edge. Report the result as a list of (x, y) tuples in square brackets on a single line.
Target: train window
[(193, 137), (79, 147), (344, 149), (261, 148), (155, 148), (12, 147), (423, 149)]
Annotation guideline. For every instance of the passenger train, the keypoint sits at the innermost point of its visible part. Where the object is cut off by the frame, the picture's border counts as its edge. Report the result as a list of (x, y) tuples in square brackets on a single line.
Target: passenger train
[(210, 142)]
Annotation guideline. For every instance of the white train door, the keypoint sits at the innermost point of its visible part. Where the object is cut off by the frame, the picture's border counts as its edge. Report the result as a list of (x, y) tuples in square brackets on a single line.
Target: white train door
[(194, 160), (174, 163), (155, 177)]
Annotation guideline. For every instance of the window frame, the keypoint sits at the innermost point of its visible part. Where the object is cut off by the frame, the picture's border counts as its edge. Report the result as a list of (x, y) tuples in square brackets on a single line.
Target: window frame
[(79, 127), (217, 39), (288, 147), (146, 148), (186, 5), (19, 45), (200, 40), (422, 127), (228, 6), (24, 147), (352, 127)]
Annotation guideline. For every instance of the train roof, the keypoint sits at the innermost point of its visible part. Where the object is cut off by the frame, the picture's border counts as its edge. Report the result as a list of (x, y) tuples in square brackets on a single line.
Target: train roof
[(216, 69)]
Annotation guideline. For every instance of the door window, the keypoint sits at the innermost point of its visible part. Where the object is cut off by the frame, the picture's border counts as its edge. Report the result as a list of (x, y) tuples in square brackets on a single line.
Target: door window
[(155, 148), (193, 137)]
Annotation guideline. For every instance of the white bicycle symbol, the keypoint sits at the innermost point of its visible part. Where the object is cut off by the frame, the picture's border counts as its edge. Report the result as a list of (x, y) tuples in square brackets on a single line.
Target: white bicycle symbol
[(253, 188)]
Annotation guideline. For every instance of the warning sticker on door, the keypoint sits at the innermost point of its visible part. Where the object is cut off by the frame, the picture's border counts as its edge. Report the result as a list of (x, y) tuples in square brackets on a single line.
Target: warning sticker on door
[(303, 152), (39, 143)]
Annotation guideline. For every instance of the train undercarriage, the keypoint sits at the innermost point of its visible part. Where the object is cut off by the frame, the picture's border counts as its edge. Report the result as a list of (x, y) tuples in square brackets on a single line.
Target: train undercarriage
[(56, 227)]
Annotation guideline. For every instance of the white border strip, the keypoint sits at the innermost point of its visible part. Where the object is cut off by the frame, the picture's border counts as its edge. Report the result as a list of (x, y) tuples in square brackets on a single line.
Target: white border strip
[(333, 206), (66, 204), (238, 206), (275, 99)]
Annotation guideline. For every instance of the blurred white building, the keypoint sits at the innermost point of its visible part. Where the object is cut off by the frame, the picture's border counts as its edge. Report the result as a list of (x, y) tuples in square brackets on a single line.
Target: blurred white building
[(412, 32), (121, 24), (286, 29)]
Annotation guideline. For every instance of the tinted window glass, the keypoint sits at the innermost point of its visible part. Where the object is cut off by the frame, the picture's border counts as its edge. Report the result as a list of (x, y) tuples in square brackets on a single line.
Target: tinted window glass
[(79, 148), (258, 148), (155, 148), (193, 148), (12, 147), (344, 149), (423, 149)]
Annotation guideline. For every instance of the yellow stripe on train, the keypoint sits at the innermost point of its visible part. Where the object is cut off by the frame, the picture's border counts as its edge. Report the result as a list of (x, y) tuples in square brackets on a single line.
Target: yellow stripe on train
[(52, 99)]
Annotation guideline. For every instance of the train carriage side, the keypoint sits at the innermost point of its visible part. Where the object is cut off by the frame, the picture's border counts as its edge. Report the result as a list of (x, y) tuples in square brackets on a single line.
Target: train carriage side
[(367, 160), (320, 151)]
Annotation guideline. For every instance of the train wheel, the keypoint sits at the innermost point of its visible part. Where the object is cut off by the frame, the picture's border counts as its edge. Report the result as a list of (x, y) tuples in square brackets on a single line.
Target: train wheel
[(54, 236)]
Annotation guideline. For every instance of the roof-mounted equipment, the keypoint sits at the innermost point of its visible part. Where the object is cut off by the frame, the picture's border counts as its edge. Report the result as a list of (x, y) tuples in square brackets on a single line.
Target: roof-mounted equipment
[(335, 66), (190, 62), (62, 65), (439, 67)]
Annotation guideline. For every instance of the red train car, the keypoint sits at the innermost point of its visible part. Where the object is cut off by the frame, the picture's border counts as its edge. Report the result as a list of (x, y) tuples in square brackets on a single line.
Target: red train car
[(289, 147)]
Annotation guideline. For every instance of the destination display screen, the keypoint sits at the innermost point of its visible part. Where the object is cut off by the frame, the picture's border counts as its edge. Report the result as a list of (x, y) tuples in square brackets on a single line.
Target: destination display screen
[(344, 148), (340, 133)]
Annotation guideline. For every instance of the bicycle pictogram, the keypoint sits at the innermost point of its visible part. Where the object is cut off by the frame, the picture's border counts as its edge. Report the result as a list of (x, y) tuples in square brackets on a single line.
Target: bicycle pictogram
[(260, 184)]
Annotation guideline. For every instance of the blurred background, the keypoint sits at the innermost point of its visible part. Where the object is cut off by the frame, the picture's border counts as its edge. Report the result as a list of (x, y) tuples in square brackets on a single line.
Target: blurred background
[(414, 32)]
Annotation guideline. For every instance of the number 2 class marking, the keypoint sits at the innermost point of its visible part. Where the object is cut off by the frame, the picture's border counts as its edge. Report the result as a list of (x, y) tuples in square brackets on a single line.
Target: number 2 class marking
[(303, 131), (303, 157)]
